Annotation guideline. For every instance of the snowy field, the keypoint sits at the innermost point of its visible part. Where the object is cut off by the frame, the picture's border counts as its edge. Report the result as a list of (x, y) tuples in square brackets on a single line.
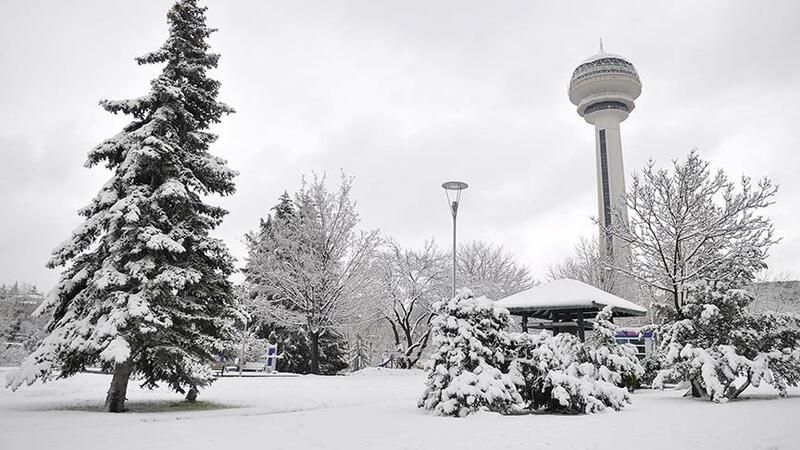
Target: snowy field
[(374, 409)]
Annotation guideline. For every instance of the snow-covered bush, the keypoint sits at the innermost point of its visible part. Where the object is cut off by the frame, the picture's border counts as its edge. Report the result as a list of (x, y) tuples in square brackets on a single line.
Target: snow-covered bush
[(561, 373), (603, 350), (467, 370), (478, 365), (652, 364), (722, 348)]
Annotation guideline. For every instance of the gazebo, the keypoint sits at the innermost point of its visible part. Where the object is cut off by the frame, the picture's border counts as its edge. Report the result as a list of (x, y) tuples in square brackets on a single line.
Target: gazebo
[(566, 306)]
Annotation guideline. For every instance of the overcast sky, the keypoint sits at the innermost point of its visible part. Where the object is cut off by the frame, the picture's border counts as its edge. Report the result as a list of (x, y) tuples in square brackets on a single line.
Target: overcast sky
[(405, 95)]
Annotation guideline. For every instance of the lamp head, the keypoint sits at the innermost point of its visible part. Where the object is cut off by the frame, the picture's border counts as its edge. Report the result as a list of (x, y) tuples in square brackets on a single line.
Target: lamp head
[(454, 185), (453, 190)]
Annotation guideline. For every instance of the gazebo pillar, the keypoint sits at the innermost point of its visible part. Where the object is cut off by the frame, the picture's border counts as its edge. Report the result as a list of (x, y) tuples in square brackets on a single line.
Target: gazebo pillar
[(555, 319), (581, 333)]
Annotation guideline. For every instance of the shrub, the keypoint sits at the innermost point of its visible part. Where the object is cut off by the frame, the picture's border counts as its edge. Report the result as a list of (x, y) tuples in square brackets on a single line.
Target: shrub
[(466, 370), (722, 348)]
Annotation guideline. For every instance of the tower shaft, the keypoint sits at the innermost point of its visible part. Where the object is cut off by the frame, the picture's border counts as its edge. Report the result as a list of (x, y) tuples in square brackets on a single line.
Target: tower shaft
[(610, 182)]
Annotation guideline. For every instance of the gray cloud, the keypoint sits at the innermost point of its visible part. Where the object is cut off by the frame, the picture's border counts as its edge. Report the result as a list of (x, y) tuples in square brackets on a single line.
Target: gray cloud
[(404, 96)]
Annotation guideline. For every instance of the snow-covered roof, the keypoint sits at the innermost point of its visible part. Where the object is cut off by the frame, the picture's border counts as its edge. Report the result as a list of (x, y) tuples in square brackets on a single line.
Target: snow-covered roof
[(568, 294)]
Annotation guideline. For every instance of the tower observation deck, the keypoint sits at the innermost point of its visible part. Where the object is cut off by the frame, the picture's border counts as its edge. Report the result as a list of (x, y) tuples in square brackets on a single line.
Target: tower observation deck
[(604, 88)]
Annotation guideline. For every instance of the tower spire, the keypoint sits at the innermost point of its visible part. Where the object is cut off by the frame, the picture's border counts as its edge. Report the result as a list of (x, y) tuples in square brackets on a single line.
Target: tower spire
[(602, 50)]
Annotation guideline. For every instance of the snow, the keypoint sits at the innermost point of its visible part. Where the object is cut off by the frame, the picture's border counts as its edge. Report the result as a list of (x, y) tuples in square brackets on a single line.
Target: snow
[(157, 240), (375, 408), (566, 293), (118, 351), (172, 188)]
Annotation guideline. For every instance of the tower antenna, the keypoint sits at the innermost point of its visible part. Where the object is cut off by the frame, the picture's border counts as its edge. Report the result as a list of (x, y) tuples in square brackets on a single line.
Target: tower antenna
[(602, 50)]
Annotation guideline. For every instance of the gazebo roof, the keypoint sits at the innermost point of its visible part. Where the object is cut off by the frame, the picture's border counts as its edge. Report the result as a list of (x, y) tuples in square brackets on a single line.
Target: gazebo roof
[(565, 295)]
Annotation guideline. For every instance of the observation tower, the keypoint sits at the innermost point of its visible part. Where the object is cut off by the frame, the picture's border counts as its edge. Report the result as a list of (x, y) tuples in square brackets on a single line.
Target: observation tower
[(604, 88)]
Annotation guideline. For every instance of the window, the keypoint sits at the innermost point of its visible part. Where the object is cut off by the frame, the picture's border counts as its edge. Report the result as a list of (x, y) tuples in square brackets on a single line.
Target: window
[(605, 184), (605, 105)]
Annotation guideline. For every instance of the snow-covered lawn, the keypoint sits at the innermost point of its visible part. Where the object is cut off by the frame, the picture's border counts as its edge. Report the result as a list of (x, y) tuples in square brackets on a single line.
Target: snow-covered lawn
[(375, 409)]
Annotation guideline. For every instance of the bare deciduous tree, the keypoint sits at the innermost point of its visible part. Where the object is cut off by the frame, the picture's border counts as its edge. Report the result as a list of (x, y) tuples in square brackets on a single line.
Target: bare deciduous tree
[(410, 281), (491, 270), (314, 271), (586, 265), (688, 224)]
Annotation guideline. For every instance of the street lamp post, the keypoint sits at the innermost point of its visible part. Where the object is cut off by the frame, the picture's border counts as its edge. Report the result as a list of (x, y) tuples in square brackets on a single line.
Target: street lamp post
[(453, 190)]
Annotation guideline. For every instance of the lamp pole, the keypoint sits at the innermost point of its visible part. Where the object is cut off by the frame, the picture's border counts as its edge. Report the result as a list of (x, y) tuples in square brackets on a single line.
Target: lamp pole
[(455, 211), (453, 191)]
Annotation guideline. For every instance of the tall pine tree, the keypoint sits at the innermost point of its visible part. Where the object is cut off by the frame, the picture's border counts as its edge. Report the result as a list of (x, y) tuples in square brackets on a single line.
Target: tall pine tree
[(145, 291)]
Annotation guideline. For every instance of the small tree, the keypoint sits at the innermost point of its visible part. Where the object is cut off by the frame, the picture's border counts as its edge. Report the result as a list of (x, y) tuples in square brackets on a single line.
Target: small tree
[(359, 355), (409, 282), (145, 290), (616, 363), (687, 225), (466, 372), (718, 342)]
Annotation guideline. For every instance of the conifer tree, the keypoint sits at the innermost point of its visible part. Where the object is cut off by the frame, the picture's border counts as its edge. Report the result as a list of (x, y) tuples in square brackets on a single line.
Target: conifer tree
[(145, 291), (468, 369), (360, 354), (562, 374), (722, 348)]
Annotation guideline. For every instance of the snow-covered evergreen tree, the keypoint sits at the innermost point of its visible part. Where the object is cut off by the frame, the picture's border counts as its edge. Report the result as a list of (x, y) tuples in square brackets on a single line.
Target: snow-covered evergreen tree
[(145, 290), (561, 373), (478, 365), (722, 348), (295, 354), (617, 363), (466, 371), (359, 355)]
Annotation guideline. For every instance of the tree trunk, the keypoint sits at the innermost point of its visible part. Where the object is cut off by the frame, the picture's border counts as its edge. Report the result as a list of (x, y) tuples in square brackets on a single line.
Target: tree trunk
[(676, 301), (697, 389), (735, 393), (192, 394), (115, 399), (314, 347)]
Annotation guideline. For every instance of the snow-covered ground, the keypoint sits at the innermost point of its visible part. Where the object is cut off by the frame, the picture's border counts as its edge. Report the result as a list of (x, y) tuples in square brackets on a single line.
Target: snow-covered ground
[(375, 409)]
